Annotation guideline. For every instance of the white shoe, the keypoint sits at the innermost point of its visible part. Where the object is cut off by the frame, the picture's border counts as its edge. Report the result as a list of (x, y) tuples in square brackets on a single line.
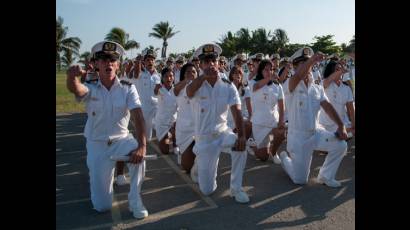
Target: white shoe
[(283, 155), (194, 172), (249, 144), (276, 159), (140, 212), (331, 183), (121, 180), (240, 196)]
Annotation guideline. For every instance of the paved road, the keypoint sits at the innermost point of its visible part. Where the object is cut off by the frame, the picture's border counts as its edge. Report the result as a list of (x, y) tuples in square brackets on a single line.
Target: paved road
[(175, 203)]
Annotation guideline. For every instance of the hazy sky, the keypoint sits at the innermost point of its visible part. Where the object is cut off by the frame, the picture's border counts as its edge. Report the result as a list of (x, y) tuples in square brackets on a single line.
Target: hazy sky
[(202, 21)]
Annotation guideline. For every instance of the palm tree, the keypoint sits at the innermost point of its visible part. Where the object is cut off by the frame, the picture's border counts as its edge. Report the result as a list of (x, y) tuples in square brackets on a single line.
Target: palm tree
[(163, 31), (261, 41), (85, 57), (228, 43), (69, 45), (119, 36), (243, 38), (67, 59), (279, 41)]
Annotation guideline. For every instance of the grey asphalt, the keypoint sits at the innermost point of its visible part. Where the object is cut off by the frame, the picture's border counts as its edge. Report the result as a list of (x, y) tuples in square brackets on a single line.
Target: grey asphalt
[(174, 202)]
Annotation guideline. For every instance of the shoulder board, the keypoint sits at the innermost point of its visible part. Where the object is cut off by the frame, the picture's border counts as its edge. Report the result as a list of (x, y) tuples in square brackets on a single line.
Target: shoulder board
[(92, 81), (125, 83), (345, 83), (226, 80)]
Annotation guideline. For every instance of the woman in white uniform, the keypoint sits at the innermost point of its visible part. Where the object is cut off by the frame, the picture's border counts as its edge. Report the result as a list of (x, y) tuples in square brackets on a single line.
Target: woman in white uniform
[(236, 77), (164, 121), (268, 111), (184, 128), (340, 96)]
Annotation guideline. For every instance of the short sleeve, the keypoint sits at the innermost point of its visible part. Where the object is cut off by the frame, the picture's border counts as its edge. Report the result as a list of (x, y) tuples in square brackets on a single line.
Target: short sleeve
[(280, 92), (133, 99), (233, 96), (349, 94), (285, 87), (247, 92), (323, 96), (86, 97)]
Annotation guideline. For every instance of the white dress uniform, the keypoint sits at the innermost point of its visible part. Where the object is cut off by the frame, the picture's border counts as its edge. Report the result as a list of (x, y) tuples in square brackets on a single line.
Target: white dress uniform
[(210, 110), (167, 112), (107, 134), (177, 72), (244, 109), (338, 96), (304, 136), (145, 85), (184, 128), (265, 112)]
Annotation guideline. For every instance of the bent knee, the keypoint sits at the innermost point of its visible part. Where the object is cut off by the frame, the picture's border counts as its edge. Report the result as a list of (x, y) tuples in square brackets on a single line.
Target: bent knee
[(206, 190)]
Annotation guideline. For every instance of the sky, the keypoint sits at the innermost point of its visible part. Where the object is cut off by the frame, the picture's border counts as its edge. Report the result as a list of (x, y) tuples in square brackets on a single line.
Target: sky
[(204, 21)]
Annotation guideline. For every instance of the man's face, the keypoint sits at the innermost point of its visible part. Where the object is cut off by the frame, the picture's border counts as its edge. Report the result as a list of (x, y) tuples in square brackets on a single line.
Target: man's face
[(107, 67), (178, 65), (149, 63), (210, 66)]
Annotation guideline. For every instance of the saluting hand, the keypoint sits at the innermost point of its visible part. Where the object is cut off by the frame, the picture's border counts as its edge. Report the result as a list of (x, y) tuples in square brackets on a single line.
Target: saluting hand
[(75, 71)]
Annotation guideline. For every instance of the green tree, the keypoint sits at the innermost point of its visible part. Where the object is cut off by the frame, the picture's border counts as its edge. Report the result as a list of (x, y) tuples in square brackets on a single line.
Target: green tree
[(279, 41), (67, 59), (85, 57), (163, 31), (244, 43), (65, 46), (228, 43), (261, 41), (119, 36), (325, 44)]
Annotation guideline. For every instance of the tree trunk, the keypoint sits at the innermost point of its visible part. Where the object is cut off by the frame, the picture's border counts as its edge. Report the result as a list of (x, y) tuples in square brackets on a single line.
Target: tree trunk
[(164, 49)]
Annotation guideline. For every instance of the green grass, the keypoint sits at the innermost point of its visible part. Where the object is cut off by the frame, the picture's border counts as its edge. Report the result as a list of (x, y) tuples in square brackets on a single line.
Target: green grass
[(65, 102)]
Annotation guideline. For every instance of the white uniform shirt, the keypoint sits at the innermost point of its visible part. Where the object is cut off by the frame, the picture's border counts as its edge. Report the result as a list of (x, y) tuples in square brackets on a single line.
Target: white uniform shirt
[(264, 104), (210, 106), (185, 120), (108, 111), (338, 96), (145, 85), (167, 107), (244, 109), (177, 72), (303, 105)]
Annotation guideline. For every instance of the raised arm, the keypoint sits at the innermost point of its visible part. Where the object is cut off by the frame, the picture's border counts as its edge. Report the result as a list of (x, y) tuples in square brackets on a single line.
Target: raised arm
[(195, 85), (303, 70), (73, 83)]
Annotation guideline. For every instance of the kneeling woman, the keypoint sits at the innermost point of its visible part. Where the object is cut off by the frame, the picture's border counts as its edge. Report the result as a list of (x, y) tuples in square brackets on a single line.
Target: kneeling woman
[(236, 77), (164, 121), (268, 112), (185, 121)]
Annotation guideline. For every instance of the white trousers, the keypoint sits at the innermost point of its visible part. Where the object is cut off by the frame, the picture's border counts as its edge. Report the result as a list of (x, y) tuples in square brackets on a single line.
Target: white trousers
[(101, 171), (149, 115), (301, 146), (207, 157)]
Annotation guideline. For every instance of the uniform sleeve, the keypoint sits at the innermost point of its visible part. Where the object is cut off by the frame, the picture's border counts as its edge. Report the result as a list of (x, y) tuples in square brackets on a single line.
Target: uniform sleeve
[(247, 92), (86, 97), (157, 79), (280, 94), (323, 96), (349, 94), (133, 99), (233, 96), (285, 87)]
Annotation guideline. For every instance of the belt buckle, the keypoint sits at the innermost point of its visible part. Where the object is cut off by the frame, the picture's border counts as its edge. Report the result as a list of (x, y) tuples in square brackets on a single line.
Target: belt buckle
[(109, 142)]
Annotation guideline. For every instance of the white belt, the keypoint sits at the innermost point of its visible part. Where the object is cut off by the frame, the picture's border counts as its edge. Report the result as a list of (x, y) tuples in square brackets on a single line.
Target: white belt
[(310, 132)]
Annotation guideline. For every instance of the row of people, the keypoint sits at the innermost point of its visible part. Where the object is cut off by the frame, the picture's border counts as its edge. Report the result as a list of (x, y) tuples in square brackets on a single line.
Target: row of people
[(205, 114)]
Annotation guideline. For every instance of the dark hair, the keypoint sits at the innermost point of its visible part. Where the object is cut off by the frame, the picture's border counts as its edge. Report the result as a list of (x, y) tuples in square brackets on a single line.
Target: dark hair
[(262, 64), (330, 68), (184, 69), (163, 72)]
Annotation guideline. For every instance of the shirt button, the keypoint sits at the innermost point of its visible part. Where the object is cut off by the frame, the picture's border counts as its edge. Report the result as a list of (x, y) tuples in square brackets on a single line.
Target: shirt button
[(93, 113), (202, 110)]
